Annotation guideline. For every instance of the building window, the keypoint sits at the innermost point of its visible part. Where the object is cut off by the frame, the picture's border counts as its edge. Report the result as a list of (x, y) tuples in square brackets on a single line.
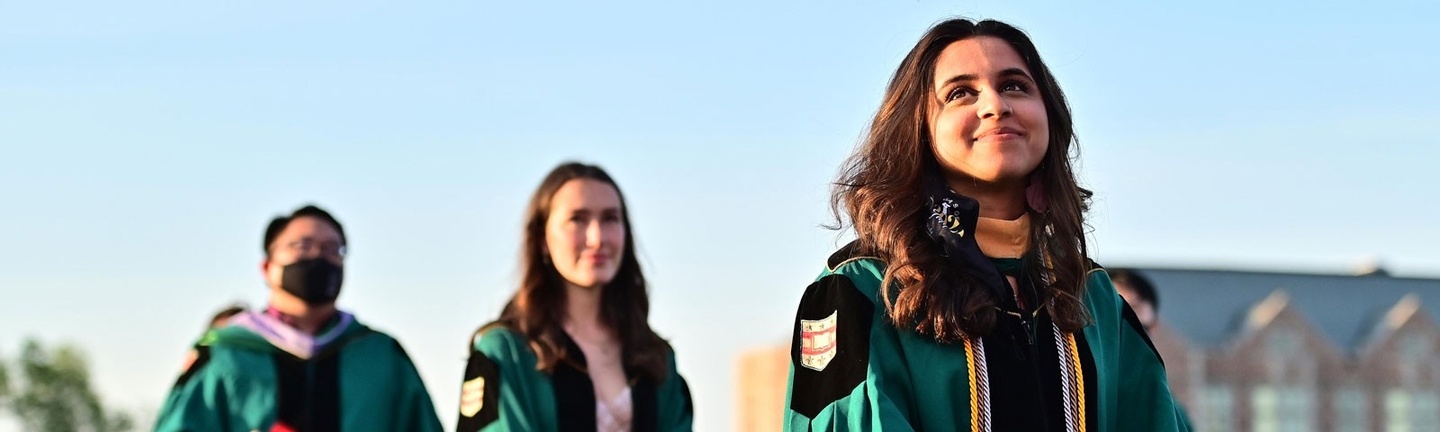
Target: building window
[(1351, 408), (1219, 405), (1297, 412), (1286, 400), (1425, 415), (1414, 405), (1264, 412), (1397, 411), (1284, 342), (1415, 356), (1282, 409), (1407, 411)]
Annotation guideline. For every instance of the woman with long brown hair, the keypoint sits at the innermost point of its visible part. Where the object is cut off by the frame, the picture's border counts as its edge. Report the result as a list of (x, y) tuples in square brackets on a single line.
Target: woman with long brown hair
[(967, 301), (572, 349)]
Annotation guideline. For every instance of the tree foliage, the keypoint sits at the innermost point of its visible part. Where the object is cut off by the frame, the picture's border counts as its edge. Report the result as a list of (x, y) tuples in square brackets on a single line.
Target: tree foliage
[(50, 392), (4, 383)]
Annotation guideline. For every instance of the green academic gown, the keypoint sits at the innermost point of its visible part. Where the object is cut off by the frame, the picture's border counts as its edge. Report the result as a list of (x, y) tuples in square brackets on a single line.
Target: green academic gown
[(503, 391), (262, 376), (852, 370)]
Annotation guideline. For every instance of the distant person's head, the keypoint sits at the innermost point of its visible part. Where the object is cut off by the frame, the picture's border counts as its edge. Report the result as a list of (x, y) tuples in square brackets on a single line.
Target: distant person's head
[(304, 258), (973, 108), (578, 237), (576, 227), (1139, 293), (223, 315)]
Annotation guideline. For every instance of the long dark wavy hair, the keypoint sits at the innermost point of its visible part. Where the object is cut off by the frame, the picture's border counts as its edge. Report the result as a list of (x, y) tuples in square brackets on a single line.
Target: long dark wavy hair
[(537, 310), (881, 192)]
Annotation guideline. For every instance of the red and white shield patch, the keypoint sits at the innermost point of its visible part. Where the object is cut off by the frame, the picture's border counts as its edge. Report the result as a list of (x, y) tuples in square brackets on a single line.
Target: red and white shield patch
[(472, 396), (817, 342)]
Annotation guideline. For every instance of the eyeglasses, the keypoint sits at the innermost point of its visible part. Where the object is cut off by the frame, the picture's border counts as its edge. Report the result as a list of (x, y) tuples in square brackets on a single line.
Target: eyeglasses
[(325, 248)]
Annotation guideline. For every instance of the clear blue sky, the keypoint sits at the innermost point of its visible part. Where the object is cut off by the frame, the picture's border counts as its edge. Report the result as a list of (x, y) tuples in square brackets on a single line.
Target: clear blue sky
[(144, 145)]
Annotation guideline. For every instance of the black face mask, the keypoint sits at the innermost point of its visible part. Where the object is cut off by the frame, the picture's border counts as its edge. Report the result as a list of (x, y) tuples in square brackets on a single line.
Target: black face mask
[(315, 280)]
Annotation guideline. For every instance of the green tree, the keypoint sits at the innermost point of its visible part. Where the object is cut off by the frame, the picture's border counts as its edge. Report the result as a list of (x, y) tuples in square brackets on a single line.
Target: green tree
[(53, 394), (4, 383)]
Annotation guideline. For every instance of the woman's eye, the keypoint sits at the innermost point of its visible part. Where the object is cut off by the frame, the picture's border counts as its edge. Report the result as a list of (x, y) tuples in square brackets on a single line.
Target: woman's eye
[(959, 92), (1015, 86)]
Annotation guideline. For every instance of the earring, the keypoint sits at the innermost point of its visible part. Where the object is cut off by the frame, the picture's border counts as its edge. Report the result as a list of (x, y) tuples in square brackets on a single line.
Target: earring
[(1035, 194)]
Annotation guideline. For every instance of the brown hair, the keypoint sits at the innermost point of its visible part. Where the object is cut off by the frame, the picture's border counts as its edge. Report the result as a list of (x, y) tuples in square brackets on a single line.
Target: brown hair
[(880, 189), (538, 308), (279, 223), (221, 316)]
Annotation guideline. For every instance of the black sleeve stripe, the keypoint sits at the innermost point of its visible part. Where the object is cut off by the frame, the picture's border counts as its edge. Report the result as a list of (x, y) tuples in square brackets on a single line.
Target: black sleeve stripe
[(1129, 316), (202, 356), (479, 394), (835, 318)]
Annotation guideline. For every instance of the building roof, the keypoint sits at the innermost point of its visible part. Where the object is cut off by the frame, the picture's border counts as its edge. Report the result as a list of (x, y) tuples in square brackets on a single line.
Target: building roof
[(1208, 307)]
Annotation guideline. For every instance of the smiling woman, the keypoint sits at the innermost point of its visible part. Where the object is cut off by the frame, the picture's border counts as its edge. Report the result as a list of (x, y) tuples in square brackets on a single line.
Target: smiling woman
[(573, 349), (967, 301), (989, 127)]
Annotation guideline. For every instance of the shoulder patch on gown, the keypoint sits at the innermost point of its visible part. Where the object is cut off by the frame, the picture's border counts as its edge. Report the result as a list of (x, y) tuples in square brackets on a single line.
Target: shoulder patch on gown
[(830, 348), (479, 393)]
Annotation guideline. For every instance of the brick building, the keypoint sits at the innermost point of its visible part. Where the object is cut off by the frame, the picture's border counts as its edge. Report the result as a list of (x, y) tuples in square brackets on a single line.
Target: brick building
[(1264, 351)]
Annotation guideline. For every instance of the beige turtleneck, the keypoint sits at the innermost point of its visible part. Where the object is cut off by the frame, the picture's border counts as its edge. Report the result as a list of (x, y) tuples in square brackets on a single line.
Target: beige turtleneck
[(999, 238)]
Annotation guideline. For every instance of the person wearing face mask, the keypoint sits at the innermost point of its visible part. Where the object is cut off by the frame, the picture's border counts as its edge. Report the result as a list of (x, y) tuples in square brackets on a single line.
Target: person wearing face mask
[(968, 302), (299, 364), (573, 349)]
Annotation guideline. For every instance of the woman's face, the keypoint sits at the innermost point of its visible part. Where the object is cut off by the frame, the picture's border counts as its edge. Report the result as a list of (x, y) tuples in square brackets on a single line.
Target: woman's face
[(585, 232), (988, 121)]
